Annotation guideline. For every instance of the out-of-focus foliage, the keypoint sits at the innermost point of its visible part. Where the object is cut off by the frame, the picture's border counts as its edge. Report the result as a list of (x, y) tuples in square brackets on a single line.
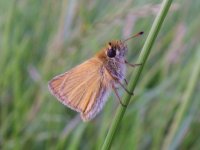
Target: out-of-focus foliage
[(40, 39)]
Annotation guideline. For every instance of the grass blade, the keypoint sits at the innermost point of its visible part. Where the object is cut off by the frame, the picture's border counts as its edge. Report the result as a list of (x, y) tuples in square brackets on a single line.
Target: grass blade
[(135, 77), (184, 104)]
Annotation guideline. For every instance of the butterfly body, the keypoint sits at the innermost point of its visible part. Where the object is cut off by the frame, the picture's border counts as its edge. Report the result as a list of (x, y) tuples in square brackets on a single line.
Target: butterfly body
[(85, 88), (115, 65)]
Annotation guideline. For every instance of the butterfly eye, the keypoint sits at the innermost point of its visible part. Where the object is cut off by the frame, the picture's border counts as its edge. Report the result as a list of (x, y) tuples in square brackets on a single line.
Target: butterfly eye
[(111, 53)]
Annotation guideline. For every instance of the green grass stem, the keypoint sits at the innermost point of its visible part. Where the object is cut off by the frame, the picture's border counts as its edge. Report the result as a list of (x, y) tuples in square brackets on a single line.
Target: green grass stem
[(135, 77)]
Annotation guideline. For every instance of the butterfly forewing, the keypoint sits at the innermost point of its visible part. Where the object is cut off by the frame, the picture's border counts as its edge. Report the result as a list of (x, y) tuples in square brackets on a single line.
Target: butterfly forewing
[(83, 88)]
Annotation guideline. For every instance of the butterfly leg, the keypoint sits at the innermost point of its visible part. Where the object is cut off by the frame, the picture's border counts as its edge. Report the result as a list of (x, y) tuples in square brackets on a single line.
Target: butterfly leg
[(125, 81), (132, 65), (125, 88), (118, 97)]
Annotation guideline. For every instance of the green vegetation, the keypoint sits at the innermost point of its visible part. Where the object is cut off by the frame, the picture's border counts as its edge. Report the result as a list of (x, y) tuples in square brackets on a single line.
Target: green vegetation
[(135, 77), (41, 39)]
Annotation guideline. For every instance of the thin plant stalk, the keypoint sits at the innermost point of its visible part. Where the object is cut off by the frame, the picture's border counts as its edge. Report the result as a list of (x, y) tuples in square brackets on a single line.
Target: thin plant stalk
[(184, 103), (135, 77)]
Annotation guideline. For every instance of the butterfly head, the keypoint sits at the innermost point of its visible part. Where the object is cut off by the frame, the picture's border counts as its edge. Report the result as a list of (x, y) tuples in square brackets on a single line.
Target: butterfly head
[(116, 49)]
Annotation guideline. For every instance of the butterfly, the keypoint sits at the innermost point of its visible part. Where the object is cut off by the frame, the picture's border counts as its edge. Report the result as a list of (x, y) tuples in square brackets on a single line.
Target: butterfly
[(85, 88)]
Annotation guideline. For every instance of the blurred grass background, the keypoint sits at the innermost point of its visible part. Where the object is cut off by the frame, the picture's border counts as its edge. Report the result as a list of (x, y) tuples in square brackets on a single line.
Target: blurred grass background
[(40, 39)]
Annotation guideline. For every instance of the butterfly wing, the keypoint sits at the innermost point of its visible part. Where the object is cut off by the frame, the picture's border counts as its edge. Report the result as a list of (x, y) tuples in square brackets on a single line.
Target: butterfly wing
[(83, 88)]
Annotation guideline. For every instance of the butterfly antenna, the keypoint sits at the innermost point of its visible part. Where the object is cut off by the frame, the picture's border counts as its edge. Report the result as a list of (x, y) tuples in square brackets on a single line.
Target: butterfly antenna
[(136, 35)]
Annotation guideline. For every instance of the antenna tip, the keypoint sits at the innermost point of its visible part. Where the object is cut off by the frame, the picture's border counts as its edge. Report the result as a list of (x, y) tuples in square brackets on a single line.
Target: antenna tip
[(140, 33)]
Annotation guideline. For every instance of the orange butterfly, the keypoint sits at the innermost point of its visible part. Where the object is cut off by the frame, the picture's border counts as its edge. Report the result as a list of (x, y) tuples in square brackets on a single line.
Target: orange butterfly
[(85, 88)]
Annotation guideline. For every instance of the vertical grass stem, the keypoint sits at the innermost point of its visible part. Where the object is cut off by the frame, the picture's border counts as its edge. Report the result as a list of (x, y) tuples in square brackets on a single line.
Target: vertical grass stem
[(135, 77)]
